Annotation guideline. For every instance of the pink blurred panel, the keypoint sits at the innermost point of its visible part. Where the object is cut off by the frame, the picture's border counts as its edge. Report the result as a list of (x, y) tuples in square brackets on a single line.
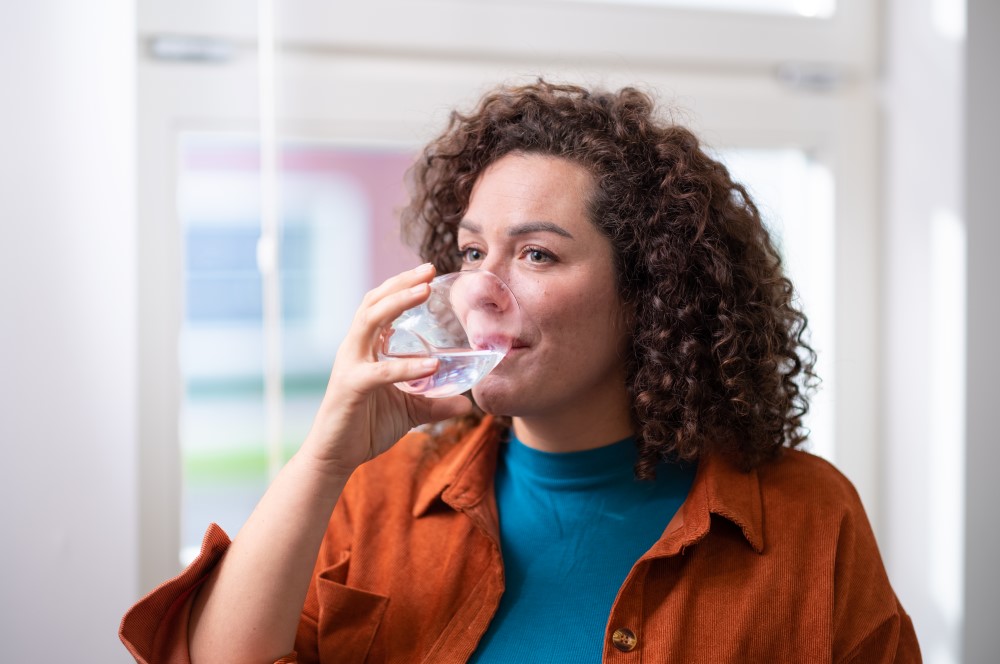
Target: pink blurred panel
[(378, 172), (380, 175)]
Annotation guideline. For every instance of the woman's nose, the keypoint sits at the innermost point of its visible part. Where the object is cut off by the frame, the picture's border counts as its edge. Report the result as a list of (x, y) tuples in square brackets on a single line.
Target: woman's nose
[(495, 265), (486, 292), (487, 310)]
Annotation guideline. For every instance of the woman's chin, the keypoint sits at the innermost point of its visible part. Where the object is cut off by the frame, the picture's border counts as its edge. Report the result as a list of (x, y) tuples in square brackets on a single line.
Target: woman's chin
[(493, 397)]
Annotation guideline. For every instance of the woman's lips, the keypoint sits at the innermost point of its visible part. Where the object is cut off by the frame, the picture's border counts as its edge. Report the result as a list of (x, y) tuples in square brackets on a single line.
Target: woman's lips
[(480, 342)]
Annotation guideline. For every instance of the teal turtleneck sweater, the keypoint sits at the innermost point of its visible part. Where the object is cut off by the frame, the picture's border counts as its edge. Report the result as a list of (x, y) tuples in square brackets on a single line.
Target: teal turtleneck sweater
[(571, 526)]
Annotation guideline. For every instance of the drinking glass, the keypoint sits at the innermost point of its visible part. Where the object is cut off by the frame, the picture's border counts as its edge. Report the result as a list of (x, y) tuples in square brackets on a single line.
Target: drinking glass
[(469, 322)]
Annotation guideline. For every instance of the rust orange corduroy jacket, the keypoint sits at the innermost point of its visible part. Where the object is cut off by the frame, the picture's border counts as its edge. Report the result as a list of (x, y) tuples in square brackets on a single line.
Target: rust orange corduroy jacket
[(775, 565)]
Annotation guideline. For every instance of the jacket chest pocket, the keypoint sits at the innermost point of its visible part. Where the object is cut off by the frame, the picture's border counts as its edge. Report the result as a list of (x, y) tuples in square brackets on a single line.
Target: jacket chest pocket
[(348, 621)]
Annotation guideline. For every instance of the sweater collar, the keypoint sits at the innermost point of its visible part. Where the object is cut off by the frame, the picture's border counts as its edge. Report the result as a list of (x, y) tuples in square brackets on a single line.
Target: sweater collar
[(464, 478)]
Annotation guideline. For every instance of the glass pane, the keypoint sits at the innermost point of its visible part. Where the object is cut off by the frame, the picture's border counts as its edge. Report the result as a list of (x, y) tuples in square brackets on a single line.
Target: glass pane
[(810, 8), (794, 193), (339, 237)]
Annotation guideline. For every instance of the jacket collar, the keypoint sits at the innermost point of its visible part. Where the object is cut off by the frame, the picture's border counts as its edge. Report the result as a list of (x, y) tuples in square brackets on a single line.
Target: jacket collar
[(465, 477), (722, 489)]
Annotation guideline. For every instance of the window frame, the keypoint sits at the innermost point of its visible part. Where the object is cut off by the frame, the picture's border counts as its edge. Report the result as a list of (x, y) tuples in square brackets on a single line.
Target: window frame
[(400, 92)]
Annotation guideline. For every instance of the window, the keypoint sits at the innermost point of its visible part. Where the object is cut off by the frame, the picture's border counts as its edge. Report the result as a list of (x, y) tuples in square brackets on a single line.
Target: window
[(356, 96), (337, 212)]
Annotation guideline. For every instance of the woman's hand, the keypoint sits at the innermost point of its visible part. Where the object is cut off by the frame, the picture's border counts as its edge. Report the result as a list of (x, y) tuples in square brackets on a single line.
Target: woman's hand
[(362, 413)]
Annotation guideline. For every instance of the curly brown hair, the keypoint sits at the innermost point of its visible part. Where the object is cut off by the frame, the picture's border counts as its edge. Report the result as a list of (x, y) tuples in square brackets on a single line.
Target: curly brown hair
[(718, 360)]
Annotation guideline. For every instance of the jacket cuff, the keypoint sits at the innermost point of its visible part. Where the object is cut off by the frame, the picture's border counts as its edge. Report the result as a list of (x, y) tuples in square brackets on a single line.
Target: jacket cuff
[(155, 630)]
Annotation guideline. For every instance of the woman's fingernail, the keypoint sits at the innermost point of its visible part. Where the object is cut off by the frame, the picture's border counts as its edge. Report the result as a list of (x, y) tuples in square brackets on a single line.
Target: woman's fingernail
[(418, 289), (429, 363), (425, 268)]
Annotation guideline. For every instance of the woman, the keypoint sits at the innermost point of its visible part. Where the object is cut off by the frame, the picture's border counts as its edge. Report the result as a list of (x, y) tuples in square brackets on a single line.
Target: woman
[(625, 487)]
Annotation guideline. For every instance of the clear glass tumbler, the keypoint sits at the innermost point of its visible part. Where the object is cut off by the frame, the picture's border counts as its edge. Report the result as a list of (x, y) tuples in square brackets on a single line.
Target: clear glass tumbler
[(469, 322)]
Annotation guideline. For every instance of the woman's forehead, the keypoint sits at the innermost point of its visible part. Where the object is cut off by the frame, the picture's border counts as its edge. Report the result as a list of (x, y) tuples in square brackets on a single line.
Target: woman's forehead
[(522, 194)]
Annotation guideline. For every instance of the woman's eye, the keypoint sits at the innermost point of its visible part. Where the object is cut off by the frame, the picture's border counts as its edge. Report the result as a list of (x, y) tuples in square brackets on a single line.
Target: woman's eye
[(537, 255), (471, 254)]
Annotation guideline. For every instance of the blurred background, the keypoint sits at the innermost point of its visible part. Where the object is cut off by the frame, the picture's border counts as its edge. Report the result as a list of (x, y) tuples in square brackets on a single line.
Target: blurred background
[(194, 196)]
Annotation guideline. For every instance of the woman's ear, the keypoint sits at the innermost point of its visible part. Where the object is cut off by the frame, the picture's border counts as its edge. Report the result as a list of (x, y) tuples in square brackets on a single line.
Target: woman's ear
[(626, 318)]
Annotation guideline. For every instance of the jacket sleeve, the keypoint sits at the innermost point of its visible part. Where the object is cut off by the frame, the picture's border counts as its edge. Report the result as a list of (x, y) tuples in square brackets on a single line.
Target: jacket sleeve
[(908, 649), (870, 624), (892, 642), (155, 630)]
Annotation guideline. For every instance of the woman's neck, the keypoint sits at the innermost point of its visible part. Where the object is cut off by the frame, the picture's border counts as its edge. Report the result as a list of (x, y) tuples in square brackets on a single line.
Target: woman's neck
[(575, 431)]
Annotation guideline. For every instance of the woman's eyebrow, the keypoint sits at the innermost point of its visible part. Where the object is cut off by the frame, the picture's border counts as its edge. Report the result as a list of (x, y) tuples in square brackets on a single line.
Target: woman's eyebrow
[(538, 227), (470, 226), (520, 229)]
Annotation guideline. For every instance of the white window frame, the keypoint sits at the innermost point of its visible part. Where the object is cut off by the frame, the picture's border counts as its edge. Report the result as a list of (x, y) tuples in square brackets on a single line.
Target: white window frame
[(347, 75), (534, 31)]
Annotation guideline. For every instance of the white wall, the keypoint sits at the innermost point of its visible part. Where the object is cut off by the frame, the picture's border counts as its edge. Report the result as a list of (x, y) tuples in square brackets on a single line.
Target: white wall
[(942, 315), (982, 146), (923, 319), (68, 550)]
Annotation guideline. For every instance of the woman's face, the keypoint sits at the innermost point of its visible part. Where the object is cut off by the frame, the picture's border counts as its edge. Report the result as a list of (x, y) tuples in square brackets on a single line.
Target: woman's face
[(527, 222)]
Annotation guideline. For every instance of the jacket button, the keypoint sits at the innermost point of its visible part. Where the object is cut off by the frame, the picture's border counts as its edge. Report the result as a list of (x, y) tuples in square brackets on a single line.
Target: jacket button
[(624, 639)]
